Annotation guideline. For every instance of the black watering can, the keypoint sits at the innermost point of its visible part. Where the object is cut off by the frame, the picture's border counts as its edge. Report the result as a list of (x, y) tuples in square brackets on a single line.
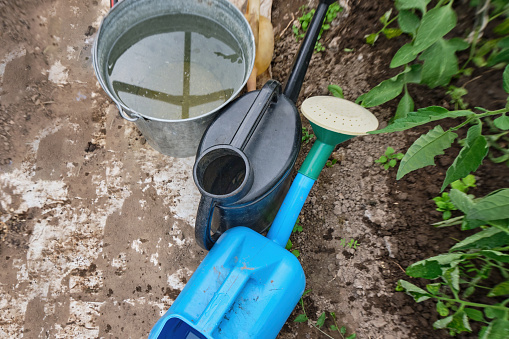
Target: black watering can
[(247, 154)]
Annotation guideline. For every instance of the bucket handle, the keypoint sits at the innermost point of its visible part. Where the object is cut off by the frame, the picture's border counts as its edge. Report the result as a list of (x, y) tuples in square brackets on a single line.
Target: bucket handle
[(127, 116)]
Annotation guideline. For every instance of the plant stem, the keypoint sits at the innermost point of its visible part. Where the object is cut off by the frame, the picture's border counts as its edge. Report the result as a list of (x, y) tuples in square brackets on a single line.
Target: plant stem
[(468, 303)]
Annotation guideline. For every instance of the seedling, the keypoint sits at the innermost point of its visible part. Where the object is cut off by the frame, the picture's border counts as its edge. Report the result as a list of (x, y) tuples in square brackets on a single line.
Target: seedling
[(444, 203), (320, 322), (289, 246), (305, 20), (351, 244), (306, 136), (457, 94), (389, 159), (297, 227), (336, 91), (388, 32)]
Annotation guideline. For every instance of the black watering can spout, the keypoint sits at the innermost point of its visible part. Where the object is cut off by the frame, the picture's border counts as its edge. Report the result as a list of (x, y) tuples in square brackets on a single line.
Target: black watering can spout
[(299, 68)]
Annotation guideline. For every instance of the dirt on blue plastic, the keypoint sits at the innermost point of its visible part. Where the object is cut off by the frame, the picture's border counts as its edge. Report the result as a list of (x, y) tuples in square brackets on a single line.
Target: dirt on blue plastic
[(96, 228)]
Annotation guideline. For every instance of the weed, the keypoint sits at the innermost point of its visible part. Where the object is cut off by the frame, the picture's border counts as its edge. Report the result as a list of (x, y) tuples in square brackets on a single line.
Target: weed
[(331, 163), (306, 136), (457, 94), (336, 91), (320, 322), (389, 159), (297, 227), (352, 244), (289, 246), (305, 20), (444, 203)]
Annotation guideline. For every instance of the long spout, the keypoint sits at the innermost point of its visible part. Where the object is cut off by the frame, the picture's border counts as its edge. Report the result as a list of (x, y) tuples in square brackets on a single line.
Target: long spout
[(300, 65)]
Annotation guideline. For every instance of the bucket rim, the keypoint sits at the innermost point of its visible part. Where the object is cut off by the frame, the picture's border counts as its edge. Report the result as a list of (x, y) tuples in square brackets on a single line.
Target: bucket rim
[(137, 114)]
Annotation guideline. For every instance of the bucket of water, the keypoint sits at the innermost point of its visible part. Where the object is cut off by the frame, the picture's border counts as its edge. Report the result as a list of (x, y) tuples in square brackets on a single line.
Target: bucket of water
[(170, 66)]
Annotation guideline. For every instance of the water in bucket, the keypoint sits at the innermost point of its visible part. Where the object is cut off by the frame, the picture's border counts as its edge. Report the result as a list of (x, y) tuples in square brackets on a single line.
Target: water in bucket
[(175, 66)]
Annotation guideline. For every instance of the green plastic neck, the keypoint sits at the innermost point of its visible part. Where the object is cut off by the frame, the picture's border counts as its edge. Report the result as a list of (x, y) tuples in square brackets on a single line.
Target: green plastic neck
[(316, 159)]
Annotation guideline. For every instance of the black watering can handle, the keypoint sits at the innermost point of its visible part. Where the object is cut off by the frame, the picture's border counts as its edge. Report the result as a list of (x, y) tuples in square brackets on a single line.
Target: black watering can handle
[(267, 94), (300, 65), (202, 233)]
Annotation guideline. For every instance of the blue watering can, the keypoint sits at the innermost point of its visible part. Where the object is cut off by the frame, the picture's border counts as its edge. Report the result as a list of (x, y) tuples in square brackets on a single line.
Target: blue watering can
[(248, 284)]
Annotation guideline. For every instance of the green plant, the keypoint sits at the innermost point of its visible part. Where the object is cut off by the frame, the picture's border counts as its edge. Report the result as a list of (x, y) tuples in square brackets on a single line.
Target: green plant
[(389, 159), (388, 32), (336, 91), (475, 146), (429, 58), (469, 268), (320, 322), (331, 163), (305, 20), (444, 203), (457, 94), (289, 246), (306, 136), (297, 227)]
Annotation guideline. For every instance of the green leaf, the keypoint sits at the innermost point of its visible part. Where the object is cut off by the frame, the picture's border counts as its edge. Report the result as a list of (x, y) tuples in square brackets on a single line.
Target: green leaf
[(468, 160), (333, 328), (434, 25), (452, 278), (442, 309), (492, 207), (486, 239), (321, 320), (431, 268), (412, 4), (442, 323), (371, 38), (502, 122), (492, 313), (352, 336), (433, 288), (407, 53), (460, 322), (391, 33), (415, 292), (500, 289), (423, 151), (502, 28), (440, 64), (496, 255), (389, 151), (336, 91), (421, 117), (505, 77), (474, 314), (289, 245), (296, 253), (385, 18), (384, 91), (405, 106), (342, 330), (498, 329), (408, 21), (301, 318), (461, 200), (502, 56), (383, 159)]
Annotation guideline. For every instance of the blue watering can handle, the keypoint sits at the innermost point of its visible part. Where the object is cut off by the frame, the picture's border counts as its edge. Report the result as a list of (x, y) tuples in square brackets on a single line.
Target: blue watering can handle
[(202, 225)]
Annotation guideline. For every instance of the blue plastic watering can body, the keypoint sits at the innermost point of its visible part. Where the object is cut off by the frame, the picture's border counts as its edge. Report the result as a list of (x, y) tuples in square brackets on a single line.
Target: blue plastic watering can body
[(246, 286)]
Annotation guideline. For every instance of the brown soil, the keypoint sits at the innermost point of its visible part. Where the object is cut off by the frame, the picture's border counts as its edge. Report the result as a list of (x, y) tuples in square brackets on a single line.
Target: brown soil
[(96, 227)]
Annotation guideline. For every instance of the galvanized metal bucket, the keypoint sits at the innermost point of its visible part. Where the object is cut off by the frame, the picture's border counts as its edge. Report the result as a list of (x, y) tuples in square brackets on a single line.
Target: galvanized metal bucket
[(177, 138)]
